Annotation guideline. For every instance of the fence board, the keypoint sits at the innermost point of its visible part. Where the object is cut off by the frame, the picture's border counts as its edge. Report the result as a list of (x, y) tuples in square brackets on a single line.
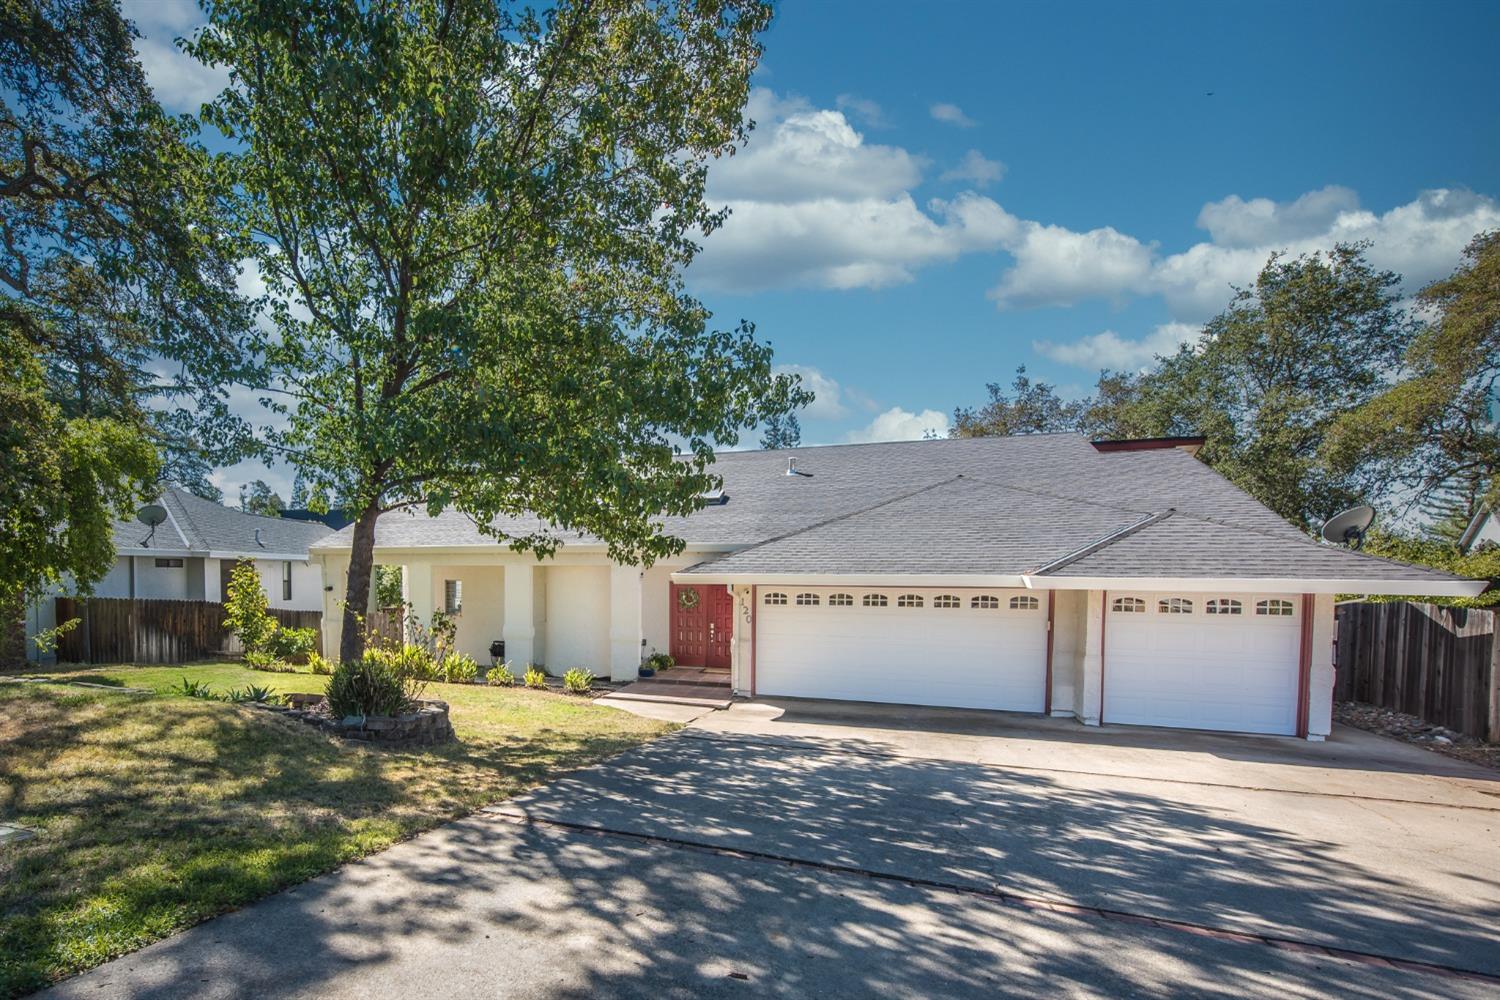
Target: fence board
[(119, 630), (1435, 662)]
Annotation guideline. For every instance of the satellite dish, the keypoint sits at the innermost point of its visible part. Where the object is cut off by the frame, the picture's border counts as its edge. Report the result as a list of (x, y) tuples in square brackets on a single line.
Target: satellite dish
[(1349, 527), (151, 515)]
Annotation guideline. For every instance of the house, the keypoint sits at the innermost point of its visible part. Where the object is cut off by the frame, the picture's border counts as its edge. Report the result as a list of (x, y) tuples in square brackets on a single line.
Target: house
[(1483, 527), (191, 555), (1119, 582)]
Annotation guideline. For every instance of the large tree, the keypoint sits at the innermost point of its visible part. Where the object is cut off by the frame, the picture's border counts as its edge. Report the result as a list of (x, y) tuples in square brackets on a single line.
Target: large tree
[(781, 432), (1035, 408), (1313, 339), (472, 219), (1434, 433)]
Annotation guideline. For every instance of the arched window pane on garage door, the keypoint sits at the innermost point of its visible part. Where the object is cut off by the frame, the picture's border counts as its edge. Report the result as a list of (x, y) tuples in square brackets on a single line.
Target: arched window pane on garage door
[(1024, 602), (909, 601), (1175, 606), (1274, 608), (1223, 606), (840, 600), (947, 601), (807, 599), (774, 598), (985, 602), (876, 600), (1129, 606)]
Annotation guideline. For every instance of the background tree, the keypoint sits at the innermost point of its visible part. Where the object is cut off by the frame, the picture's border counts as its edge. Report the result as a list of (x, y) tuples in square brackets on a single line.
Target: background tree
[(1315, 338), (1034, 409), (782, 431), (484, 211), (258, 498), (299, 491), (1434, 434)]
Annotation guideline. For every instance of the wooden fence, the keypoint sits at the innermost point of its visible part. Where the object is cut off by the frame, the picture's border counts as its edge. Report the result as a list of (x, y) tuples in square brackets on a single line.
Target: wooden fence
[(120, 630), (1439, 663)]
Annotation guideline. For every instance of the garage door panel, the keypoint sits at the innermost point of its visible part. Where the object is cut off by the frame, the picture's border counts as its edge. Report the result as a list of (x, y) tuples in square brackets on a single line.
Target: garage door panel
[(1199, 671), (961, 657)]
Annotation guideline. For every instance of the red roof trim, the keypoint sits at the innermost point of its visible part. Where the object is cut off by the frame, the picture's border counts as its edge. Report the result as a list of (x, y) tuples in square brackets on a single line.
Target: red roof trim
[(1150, 444)]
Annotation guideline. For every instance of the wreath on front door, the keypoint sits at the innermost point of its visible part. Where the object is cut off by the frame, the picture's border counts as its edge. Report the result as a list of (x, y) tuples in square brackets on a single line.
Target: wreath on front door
[(687, 598)]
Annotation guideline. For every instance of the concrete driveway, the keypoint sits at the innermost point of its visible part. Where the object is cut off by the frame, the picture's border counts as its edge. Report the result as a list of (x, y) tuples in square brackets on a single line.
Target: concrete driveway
[(800, 848)]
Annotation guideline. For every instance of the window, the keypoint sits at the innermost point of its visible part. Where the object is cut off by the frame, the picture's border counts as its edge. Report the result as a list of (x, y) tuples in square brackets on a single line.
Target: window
[(1130, 606), (453, 596), (841, 600), (946, 601), (774, 598), (985, 602), (1175, 606), (169, 564), (876, 600), (1025, 602), (286, 580), (909, 601), (1223, 606), (1274, 608), (808, 599)]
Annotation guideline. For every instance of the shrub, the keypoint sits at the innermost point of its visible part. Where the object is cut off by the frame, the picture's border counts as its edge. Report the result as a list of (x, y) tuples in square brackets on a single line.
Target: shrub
[(319, 664), (535, 678), (194, 689), (460, 668), (500, 676), (660, 662), (254, 693), (265, 661), (291, 643), (410, 660), (245, 608), (578, 681), (373, 685)]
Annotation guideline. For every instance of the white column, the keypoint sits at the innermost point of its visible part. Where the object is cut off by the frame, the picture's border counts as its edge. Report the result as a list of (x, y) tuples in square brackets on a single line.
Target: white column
[(1320, 680), (1089, 693), (624, 622), (516, 623), (416, 591)]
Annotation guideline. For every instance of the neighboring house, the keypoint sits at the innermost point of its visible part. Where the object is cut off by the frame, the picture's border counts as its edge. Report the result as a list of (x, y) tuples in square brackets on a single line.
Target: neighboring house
[(1482, 528), (191, 555), (1119, 582)]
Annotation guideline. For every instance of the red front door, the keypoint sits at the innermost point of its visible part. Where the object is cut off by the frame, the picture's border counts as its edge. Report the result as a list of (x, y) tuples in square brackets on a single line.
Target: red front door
[(702, 625)]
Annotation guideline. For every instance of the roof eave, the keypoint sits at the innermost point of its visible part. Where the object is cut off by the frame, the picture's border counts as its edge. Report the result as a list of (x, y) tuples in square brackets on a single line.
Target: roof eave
[(855, 579), (1298, 585)]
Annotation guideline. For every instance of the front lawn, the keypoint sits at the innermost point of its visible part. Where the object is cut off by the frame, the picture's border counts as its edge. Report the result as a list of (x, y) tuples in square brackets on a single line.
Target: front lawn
[(154, 812)]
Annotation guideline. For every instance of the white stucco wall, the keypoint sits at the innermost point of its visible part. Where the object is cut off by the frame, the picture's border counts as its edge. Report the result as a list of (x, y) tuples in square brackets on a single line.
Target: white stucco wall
[(577, 626), (483, 617), (307, 583), (656, 608), (1067, 648)]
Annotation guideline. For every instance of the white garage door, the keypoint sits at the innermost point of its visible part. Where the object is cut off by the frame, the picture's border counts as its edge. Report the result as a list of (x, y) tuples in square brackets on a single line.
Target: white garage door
[(960, 648), (1202, 661)]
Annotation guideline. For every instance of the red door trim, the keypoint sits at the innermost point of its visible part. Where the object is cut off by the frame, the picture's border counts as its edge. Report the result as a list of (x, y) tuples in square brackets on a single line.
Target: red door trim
[(754, 608), (1304, 668), (1103, 623), (1047, 696)]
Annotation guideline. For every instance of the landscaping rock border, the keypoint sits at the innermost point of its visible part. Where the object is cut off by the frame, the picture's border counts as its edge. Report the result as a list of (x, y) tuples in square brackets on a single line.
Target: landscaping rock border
[(1415, 730), (428, 725)]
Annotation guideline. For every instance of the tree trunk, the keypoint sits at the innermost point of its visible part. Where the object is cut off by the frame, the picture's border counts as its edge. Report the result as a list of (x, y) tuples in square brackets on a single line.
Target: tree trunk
[(357, 589)]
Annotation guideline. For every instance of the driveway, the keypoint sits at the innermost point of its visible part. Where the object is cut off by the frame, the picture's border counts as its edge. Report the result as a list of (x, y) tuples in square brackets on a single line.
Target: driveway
[(802, 848)]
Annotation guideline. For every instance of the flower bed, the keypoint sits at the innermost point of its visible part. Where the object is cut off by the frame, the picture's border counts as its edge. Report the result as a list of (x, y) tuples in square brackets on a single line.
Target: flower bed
[(426, 725)]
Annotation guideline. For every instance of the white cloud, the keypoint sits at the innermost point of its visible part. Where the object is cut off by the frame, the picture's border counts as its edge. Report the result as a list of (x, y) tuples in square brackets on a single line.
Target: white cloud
[(1056, 266), (1420, 240), (180, 82), (813, 205), (1110, 350), (951, 114), (976, 168), (867, 111), (897, 424), (828, 403)]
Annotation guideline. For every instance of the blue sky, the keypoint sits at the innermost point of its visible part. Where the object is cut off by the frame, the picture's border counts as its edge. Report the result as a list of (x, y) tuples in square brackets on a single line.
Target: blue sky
[(937, 193)]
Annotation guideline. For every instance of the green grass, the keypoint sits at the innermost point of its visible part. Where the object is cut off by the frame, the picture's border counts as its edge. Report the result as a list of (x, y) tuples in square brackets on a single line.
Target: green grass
[(156, 812)]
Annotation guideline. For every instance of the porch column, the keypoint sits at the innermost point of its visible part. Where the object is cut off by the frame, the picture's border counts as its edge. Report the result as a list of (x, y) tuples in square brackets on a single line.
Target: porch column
[(1089, 694), (624, 622), (516, 624), (416, 592)]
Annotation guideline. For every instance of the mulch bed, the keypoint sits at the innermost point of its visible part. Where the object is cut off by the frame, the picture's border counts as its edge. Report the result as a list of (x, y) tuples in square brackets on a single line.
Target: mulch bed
[(1417, 731)]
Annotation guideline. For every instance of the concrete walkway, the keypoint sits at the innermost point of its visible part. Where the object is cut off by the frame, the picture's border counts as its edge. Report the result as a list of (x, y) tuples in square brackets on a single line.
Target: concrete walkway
[(799, 849)]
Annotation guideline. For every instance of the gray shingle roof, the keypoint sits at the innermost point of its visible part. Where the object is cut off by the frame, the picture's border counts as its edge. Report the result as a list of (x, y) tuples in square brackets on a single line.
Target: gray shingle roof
[(987, 506), (198, 526)]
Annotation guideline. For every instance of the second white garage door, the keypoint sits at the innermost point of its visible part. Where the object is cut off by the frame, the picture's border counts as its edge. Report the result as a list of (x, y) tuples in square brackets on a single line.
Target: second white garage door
[(1197, 661), (961, 649)]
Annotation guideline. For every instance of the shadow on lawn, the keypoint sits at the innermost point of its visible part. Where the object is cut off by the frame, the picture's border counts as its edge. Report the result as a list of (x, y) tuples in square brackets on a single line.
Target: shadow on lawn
[(487, 907)]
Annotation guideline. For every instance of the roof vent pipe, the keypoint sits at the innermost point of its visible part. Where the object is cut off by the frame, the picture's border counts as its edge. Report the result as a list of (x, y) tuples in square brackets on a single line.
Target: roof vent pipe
[(257, 538), (791, 466)]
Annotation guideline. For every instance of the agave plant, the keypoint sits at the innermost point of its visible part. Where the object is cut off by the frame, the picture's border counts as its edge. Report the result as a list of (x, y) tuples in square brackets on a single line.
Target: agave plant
[(194, 689)]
